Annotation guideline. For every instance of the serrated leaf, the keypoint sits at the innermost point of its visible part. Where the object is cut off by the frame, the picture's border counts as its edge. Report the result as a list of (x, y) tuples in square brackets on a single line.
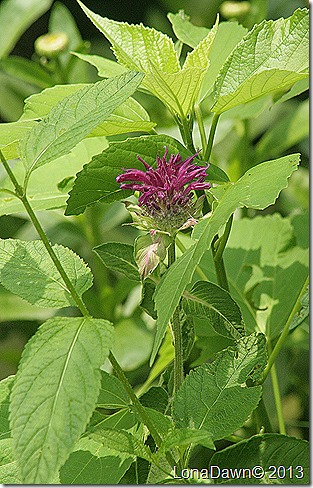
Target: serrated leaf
[(8, 468), (130, 116), (209, 301), (119, 257), (15, 17), (112, 392), (185, 31), (255, 190), (136, 46), (5, 390), (97, 181), (74, 118), (200, 56), (93, 463), (55, 392), (276, 56), (156, 397), (26, 269), (184, 437), (270, 452), (218, 389)]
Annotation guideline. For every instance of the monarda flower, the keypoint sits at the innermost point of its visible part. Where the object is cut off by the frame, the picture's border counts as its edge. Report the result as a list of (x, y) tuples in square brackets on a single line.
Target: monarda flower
[(166, 198)]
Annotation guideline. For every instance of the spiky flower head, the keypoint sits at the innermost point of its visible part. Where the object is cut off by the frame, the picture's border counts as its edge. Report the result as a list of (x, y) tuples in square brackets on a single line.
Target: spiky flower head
[(166, 191)]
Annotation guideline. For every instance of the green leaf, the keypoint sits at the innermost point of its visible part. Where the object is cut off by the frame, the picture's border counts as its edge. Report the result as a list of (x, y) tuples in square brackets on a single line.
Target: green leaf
[(15, 17), (55, 392), (276, 56), (112, 392), (130, 116), (106, 67), (121, 441), (156, 397), (119, 257), (255, 190), (26, 269), (50, 195), (97, 181), (26, 70), (8, 468), (185, 31), (184, 437), (304, 311), (132, 343), (274, 453), (5, 390), (73, 118), (209, 301), (266, 271), (223, 403), (10, 134), (93, 463), (295, 127), (136, 46)]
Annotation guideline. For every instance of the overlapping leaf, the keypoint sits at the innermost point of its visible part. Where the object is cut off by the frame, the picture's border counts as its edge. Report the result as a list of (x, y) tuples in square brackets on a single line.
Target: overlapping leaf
[(223, 402), (73, 118), (272, 56), (55, 392)]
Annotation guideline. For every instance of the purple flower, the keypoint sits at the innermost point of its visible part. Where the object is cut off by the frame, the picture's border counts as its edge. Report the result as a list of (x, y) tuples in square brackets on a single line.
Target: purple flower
[(166, 192)]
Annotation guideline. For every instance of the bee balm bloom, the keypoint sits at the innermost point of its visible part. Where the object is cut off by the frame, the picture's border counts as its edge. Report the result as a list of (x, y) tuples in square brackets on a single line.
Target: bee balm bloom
[(166, 191)]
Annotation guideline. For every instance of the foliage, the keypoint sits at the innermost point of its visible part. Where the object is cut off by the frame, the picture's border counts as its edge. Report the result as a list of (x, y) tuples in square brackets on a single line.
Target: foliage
[(152, 353)]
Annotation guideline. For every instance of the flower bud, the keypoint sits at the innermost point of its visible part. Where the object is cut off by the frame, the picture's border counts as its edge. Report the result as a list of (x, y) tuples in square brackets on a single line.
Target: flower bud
[(51, 45), (230, 9)]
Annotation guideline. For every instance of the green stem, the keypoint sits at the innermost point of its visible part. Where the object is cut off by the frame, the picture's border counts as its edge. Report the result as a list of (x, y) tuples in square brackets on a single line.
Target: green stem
[(186, 135), (79, 302), (284, 334), (277, 398), (201, 127), (218, 245), (178, 342), (208, 150)]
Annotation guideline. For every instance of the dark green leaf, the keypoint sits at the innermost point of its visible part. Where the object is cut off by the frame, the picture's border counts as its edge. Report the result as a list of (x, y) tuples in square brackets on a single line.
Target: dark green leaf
[(119, 257)]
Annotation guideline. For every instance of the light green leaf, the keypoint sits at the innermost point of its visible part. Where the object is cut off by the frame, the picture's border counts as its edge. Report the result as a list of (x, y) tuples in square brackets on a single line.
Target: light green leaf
[(223, 401), (119, 257), (97, 181), (26, 269), (266, 271), (26, 70), (10, 134), (295, 127), (136, 46), (132, 343), (8, 468), (106, 67), (130, 116), (184, 437), (254, 189), (276, 56), (5, 390), (121, 441), (74, 118), (55, 392), (272, 452), (185, 31), (199, 57), (15, 17), (91, 463), (112, 392), (50, 195), (209, 301)]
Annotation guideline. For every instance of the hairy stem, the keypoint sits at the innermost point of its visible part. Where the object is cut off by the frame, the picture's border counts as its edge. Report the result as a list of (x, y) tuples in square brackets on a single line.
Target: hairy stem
[(209, 146), (177, 333), (277, 398)]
